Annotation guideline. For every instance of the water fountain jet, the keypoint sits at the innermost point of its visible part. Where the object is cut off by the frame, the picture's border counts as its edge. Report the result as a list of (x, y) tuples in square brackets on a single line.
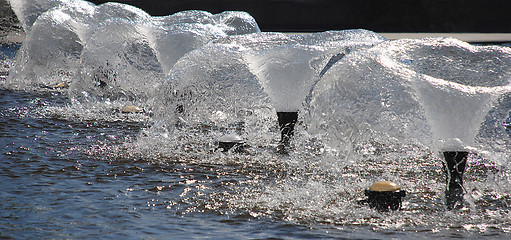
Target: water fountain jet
[(456, 77), (436, 92), (289, 66), (248, 78), (470, 95)]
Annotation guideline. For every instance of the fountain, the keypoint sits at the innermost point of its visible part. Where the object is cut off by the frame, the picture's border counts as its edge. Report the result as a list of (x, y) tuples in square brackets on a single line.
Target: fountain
[(215, 79), (273, 71), (111, 48), (289, 66), (211, 88), (118, 63), (437, 91), (51, 51), (141, 53), (57, 33), (455, 128)]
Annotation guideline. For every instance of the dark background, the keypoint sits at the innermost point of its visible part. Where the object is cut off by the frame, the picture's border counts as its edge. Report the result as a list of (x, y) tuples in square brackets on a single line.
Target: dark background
[(483, 16)]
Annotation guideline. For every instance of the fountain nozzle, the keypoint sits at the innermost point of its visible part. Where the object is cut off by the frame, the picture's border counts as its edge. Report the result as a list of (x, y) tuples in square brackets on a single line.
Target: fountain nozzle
[(455, 163), (231, 141), (385, 195), (287, 121)]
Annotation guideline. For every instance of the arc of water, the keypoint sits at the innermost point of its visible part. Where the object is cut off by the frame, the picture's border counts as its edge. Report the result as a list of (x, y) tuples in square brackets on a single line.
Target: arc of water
[(434, 94), (453, 128)]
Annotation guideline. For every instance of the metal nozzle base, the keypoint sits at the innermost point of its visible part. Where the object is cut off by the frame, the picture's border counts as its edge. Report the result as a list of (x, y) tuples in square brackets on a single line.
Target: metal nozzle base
[(455, 163)]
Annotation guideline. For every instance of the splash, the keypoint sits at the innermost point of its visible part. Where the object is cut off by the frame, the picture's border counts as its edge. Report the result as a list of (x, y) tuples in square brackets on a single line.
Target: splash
[(430, 90), (370, 109), (236, 84), (62, 34)]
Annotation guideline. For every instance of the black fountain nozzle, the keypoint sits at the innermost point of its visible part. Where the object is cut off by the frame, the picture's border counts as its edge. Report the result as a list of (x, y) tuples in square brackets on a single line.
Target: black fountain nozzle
[(236, 146), (232, 143), (384, 196), (287, 122), (455, 163)]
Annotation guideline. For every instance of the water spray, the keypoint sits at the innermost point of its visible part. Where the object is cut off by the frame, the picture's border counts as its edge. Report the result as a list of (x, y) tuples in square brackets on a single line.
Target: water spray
[(455, 163)]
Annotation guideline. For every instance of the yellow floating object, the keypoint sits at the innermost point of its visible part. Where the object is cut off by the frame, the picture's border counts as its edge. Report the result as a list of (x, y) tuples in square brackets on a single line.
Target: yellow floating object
[(384, 186), (131, 109), (61, 85)]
